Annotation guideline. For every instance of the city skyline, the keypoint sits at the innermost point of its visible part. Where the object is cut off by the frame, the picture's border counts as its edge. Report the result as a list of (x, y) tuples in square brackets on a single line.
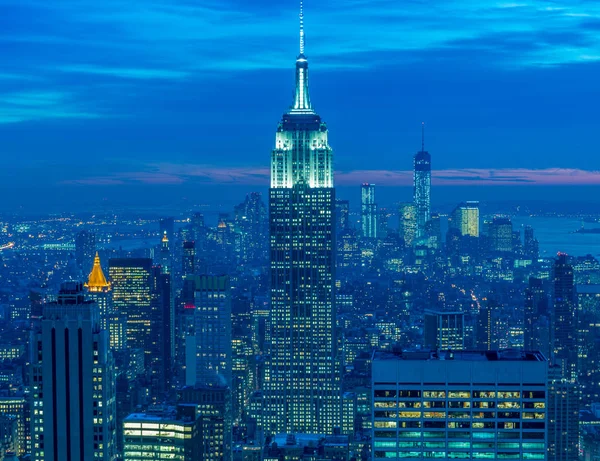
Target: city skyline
[(159, 121)]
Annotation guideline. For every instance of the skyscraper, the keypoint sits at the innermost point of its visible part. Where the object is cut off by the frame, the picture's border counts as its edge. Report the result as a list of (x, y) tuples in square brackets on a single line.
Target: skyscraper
[(407, 223), (189, 258), (422, 186), (99, 290), (342, 215), (302, 390), (132, 298), (165, 254), (209, 356), (501, 235), (142, 308), (536, 307), (565, 324), (85, 246), (465, 218), (73, 392), (368, 211)]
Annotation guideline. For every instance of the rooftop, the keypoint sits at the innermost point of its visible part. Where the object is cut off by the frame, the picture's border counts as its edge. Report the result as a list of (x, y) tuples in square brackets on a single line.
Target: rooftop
[(508, 355)]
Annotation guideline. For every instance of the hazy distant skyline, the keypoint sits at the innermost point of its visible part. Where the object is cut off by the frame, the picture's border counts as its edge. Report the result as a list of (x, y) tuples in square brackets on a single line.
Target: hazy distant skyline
[(98, 99)]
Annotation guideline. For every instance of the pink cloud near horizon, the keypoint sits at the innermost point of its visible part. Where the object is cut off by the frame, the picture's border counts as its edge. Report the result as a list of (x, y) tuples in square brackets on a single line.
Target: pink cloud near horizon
[(177, 174)]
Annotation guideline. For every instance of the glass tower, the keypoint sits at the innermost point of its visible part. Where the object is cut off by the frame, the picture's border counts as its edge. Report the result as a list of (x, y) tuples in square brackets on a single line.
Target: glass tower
[(301, 378), (368, 209), (422, 188)]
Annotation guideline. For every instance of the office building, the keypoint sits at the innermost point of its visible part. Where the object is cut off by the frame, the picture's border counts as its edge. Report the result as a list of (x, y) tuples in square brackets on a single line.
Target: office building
[(368, 211), (252, 225), (422, 187), (531, 247), (465, 218), (209, 350), (459, 405), (17, 407), (565, 318), (189, 258), (163, 433), (444, 330), (501, 235), (536, 308), (73, 382), (342, 215), (302, 372), (563, 417), (99, 290), (85, 247), (407, 228), (213, 405), (142, 310), (164, 255)]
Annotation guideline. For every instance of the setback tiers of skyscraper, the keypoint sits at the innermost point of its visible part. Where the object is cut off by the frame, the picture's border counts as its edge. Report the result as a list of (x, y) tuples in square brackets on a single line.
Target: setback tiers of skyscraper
[(302, 378)]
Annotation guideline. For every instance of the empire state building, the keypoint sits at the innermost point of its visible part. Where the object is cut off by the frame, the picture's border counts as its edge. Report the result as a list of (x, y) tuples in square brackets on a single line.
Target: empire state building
[(302, 379)]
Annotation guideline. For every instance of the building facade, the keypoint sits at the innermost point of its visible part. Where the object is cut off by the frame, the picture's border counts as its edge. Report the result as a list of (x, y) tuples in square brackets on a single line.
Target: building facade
[(368, 211), (565, 318), (301, 384), (459, 405), (73, 382)]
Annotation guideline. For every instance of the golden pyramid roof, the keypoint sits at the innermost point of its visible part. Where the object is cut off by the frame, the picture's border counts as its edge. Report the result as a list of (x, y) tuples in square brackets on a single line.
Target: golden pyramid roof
[(96, 280)]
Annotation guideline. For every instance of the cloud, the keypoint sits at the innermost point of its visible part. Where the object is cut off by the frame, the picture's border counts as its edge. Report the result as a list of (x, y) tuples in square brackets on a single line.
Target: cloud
[(123, 72), (175, 174), (23, 106)]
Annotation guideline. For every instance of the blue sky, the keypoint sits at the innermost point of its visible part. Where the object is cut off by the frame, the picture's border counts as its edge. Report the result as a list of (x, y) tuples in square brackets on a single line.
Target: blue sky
[(99, 99)]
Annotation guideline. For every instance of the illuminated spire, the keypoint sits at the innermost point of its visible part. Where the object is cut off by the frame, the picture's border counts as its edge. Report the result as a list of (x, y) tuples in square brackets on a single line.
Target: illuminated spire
[(301, 27), (165, 239), (301, 98), (97, 280)]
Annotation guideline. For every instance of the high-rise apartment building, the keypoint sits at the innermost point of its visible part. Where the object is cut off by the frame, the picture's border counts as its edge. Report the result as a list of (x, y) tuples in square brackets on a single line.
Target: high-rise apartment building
[(422, 187), (368, 211), (565, 318), (465, 218), (73, 382), (302, 373), (444, 330), (459, 405)]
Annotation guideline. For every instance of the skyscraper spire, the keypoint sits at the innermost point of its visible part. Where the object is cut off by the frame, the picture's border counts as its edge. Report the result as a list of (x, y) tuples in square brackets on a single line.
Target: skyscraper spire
[(301, 27), (301, 98), (422, 136)]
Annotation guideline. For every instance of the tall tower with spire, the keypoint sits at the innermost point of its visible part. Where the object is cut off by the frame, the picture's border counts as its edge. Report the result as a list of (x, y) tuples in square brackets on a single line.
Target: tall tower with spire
[(422, 186), (302, 382), (99, 289)]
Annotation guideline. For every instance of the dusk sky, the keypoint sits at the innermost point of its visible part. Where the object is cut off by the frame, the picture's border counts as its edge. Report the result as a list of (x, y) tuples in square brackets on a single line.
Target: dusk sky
[(145, 98)]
